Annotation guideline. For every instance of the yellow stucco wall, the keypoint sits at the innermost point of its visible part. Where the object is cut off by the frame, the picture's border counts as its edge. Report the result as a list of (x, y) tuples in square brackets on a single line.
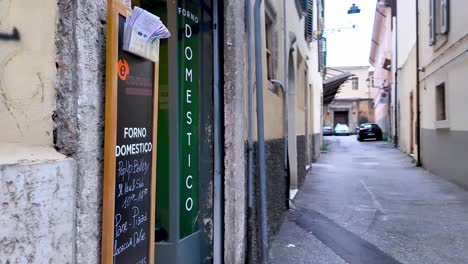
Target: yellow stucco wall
[(347, 92), (274, 102), (300, 96), (406, 86), (27, 71), (445, 63), (454, 76)]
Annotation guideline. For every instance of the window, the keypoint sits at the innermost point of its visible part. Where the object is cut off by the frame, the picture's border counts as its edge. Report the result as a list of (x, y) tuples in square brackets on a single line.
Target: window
[(309, 22), (438, 20), (355, 83), (440, 103)]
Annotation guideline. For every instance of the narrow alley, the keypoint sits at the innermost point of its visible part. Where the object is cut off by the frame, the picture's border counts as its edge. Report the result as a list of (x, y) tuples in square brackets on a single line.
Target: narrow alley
[(366, 202)]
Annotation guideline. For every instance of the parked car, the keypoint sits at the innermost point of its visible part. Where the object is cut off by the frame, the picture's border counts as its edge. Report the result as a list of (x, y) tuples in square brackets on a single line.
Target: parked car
[(327, 130), (369, 131), (342, 130)]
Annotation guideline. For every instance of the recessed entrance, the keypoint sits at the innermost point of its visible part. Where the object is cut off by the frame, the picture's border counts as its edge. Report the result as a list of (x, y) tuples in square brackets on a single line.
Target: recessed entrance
[(341, 117)]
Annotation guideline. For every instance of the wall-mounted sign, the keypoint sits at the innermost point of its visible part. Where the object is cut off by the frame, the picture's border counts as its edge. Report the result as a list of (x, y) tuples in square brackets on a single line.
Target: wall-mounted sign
[(130, 149), (188, 15)]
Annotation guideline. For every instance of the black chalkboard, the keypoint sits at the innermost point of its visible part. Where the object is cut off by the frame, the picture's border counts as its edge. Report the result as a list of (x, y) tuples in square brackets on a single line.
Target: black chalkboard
[(134, 152)]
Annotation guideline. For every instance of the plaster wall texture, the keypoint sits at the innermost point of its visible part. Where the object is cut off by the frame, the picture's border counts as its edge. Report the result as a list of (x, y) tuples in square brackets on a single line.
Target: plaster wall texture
[(454, 77), (406, 87), (301, 86), (273, 101), (79, 115), (316, 96), (445, 62), (382, 117), (235, 58), (363, 91), (273, 96), (381, 50), (27, 71), (406, 33), (432, 57), (37, 213)]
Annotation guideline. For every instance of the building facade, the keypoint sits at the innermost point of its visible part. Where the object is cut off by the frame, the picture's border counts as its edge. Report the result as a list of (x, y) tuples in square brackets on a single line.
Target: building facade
[(381, 59), (443, 64), (405, 70), (52, 110), (354, 103), (430, 59)]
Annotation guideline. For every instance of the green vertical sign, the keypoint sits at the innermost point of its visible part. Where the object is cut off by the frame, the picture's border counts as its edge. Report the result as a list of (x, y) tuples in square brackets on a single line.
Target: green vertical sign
[(188, 15)]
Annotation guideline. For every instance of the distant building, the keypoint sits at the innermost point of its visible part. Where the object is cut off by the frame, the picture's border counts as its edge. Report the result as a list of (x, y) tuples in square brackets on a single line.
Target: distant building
[(381, 59), (353, 104)]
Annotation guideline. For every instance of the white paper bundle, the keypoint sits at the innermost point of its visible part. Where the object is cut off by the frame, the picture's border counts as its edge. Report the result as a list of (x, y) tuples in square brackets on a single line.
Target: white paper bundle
[(143, 31)]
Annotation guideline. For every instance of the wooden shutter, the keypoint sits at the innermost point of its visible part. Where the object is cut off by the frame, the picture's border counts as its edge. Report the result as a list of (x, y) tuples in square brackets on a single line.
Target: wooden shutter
[(444, 16), (309, 21), (304, 5)]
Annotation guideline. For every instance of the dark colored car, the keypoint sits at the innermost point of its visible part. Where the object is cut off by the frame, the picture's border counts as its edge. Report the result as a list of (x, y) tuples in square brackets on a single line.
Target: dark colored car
[(327, 131), (369, 131)]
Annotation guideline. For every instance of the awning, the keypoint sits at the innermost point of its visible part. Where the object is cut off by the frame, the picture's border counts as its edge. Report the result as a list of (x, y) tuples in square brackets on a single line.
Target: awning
[(332, 85)]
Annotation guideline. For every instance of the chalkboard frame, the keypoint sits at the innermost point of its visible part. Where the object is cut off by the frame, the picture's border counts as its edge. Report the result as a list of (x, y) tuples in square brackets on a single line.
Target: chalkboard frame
[(115, 9)]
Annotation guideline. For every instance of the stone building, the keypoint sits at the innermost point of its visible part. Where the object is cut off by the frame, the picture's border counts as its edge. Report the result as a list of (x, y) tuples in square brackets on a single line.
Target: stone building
[(354, 102), (52, 111)]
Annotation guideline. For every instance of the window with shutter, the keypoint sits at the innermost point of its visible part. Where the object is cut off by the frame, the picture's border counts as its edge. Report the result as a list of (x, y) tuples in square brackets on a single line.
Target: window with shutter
[(444, 16), (309, 22), (304, 5), (438, 22)]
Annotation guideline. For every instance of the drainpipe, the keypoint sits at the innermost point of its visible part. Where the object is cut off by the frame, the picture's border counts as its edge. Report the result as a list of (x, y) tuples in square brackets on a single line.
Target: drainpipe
[(418, 110), (395, 81), (218, 147), (250, 184), (260, 132), (285, 88), (285, 119)]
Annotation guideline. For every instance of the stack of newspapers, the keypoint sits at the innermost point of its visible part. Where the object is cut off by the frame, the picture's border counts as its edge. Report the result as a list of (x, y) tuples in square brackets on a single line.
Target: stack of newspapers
[(143, 31)]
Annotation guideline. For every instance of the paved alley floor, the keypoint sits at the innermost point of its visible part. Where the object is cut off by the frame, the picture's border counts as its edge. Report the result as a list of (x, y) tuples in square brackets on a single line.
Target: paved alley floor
[(366, 203)]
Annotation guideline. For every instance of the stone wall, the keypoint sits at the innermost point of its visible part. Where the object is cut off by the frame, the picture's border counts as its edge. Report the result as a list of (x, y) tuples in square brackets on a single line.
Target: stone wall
[(277, 196), (316, 146), (301, 159), (79, 113), (234, 49), (37, 211)]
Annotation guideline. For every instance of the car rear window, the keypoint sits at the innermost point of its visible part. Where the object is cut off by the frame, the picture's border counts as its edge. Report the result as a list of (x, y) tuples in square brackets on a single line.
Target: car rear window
[(368, 126)]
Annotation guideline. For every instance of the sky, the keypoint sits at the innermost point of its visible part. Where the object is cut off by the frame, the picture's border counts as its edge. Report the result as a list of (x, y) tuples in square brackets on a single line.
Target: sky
[(348, 47)]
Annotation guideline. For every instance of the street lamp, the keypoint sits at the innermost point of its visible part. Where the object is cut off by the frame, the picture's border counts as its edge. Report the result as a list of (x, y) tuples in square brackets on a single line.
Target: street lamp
[(354, 9)]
